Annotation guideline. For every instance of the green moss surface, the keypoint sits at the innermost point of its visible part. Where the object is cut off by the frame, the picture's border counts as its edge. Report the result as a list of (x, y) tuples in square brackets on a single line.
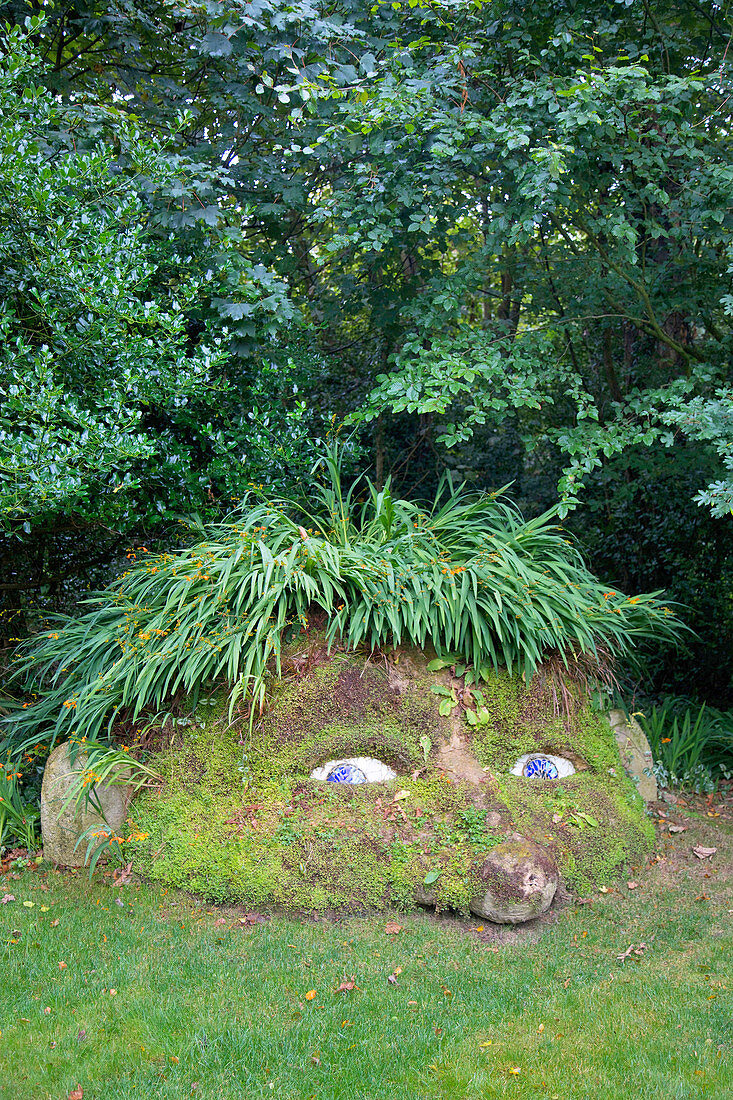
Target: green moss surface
[(532, 718), (344, 706), (593, 822), (237, 818)]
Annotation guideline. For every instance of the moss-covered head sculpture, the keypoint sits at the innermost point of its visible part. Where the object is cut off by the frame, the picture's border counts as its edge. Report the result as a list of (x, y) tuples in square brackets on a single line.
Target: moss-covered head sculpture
[(239, 818), (383, 580)]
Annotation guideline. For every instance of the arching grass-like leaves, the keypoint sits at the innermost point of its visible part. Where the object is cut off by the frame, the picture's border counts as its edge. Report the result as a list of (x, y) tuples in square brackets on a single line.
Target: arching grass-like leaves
[(464, 575)]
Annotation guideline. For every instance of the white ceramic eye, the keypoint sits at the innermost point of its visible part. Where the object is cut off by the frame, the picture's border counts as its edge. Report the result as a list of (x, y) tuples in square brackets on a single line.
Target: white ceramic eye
[(355, 769), (542, 765)]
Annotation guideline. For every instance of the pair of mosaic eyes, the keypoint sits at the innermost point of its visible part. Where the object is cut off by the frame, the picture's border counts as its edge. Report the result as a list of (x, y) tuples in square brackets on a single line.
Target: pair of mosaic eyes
[(368, 770)]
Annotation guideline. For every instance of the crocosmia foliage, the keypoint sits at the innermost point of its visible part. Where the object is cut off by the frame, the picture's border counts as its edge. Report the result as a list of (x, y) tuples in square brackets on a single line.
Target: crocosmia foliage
[(465, 574)]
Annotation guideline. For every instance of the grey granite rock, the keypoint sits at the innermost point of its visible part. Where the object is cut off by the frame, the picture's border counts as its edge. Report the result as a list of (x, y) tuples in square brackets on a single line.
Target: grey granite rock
[(520, 879), (636, 755), (61, 828)]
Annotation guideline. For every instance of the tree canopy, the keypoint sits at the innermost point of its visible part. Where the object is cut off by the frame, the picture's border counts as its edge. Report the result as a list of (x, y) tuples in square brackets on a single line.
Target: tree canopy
[(494, 239)]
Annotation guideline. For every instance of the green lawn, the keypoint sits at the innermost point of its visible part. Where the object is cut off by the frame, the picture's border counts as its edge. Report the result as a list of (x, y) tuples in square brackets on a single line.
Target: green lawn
[(161, 998)]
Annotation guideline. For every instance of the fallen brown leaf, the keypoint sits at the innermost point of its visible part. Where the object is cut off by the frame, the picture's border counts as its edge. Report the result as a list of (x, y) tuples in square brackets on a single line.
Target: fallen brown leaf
[(77, 1093), (121, 876), (704, 853), (345, 987), (392, 928), (632, 885), (632, 949), (678, 828)]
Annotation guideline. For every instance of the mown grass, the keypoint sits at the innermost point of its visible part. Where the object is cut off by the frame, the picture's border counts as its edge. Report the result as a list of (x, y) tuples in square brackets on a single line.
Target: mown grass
[(211, 1009)]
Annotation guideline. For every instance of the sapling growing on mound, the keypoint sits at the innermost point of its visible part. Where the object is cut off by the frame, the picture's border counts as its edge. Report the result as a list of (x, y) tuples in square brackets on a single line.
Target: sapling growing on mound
[(464, 574)]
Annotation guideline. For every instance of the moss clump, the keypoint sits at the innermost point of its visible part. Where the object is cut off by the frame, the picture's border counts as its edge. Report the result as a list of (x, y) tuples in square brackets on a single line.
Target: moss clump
[(347, 705), (594, 830), (238, 819), (526, 718), (593, 822), (244, 823)]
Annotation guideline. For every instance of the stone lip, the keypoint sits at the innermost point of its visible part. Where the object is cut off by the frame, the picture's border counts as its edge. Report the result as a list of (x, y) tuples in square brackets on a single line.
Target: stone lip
[(520, 879), (61, 827), (636, 755)]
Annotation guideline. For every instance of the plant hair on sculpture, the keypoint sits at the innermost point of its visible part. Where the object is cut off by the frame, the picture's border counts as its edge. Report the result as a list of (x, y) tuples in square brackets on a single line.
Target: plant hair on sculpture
[(464, 574)]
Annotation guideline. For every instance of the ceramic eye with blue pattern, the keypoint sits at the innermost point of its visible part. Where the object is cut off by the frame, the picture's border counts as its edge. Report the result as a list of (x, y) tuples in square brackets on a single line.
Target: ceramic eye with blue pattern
[(540, 767), (346, 773)]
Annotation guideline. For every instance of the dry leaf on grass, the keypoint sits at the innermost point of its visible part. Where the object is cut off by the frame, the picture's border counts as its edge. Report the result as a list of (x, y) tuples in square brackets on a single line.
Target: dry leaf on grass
[(632, 949), (392, 979), (392, 928), (678, 828), (704, 853), (77, 1093), (345, 987), (122, 875), (253, 918)]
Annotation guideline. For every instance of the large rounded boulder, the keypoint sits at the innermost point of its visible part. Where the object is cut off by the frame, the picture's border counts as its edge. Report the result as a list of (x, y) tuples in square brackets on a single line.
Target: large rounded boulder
[(519, 880)]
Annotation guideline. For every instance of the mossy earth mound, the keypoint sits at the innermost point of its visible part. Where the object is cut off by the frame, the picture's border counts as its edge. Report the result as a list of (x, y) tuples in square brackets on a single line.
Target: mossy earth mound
[(238, 819)]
